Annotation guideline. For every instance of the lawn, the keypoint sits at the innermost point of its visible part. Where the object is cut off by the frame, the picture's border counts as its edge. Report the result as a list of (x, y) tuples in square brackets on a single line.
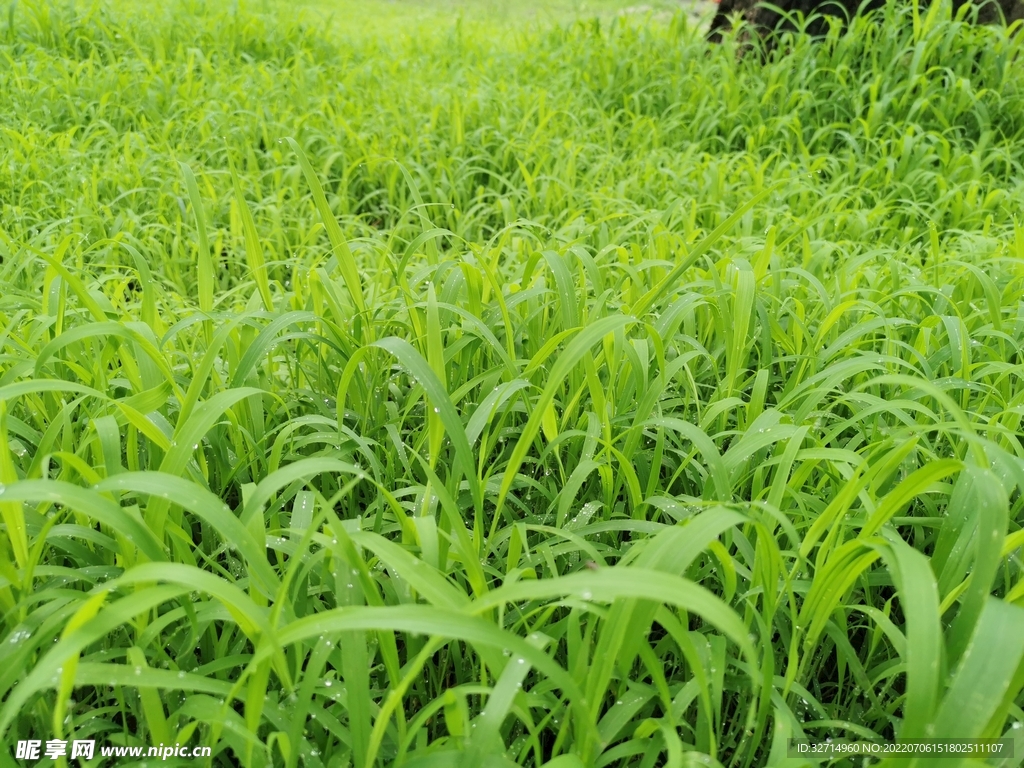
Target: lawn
[(484, 384)]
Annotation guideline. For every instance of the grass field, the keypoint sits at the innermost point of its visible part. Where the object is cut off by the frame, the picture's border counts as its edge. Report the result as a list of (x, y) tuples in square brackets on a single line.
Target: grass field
[(508, 385)]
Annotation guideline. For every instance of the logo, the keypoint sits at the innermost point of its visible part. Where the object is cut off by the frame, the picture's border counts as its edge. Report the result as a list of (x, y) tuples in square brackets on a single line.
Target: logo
[(30, 749)]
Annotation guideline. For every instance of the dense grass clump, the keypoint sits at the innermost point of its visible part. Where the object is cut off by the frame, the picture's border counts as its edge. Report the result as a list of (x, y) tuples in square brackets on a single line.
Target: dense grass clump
[(566, 395)]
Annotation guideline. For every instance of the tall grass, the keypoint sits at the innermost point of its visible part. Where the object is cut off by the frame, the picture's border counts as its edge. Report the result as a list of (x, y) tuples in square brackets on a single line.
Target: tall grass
[(575, 395)]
